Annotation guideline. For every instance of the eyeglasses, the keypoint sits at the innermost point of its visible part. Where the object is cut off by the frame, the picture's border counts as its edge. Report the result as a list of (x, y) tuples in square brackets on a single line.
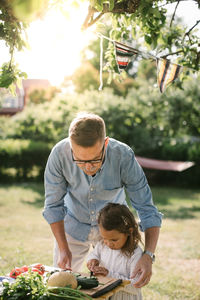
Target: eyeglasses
[(92, 162)]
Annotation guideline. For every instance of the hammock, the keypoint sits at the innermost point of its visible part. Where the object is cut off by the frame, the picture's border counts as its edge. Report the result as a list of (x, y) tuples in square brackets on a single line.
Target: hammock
[(168, 165)]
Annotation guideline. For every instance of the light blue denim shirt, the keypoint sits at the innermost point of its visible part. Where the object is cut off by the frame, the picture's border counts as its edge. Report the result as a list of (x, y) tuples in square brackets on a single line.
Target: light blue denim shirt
[(72, 195)]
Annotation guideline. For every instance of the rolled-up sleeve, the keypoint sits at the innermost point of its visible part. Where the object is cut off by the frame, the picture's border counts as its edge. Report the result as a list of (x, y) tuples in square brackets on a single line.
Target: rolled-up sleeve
[(55, 189), (140, 194)]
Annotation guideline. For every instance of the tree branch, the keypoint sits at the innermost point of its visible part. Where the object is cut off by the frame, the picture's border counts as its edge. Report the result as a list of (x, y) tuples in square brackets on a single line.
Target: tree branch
[(173, 16), (89, 17), (188, 32), (172, 53), (126, 6)]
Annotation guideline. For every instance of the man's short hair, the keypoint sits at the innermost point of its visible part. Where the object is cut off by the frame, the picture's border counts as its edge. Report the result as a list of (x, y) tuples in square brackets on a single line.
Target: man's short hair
[(86, 129)]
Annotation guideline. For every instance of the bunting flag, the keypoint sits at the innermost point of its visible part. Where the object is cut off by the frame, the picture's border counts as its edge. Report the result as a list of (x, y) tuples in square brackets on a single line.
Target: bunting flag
[(123, 55), (167, 73)]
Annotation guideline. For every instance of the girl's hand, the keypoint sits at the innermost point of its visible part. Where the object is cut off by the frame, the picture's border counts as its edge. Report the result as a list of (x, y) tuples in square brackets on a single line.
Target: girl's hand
[(91, 264), (100, 271)]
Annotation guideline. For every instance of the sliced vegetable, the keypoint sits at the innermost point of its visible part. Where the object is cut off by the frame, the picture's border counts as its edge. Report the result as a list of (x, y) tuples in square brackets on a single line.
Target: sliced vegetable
[(87, 282)]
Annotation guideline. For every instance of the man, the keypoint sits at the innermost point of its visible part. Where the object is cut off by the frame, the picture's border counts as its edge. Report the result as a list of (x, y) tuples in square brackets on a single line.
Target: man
[(84, 172)]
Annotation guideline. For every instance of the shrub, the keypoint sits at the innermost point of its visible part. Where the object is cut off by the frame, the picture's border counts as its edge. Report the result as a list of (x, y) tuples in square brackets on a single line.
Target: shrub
[(23, 156), (163, 126)]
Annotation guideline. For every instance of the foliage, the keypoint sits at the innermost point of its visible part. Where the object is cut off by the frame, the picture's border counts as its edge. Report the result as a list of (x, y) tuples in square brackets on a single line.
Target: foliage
[(143, 21), (23, 156), (42, 122), (11, 30), (86, 77), (41, 95), (143, 113), (159, 126)]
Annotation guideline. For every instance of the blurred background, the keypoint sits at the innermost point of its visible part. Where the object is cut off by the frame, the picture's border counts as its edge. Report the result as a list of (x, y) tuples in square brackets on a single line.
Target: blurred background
[(50, 70)]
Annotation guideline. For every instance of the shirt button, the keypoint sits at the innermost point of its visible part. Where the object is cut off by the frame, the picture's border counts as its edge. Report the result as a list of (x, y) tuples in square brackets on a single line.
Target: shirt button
[(92, 212), (90, 199), (91, 189)]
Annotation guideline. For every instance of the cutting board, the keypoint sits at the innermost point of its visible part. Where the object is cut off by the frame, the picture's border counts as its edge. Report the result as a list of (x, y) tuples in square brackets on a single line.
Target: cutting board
[(107, 287)]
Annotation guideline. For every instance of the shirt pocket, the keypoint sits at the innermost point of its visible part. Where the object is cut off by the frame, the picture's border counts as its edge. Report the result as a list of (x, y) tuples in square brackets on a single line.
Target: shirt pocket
[(110, 194)]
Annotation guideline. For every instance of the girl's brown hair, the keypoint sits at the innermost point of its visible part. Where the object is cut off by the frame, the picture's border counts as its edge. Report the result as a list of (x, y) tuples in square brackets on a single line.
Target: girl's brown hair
[(119, 217)]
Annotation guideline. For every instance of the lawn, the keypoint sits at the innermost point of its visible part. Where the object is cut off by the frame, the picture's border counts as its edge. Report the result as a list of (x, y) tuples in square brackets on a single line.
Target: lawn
[(25, 238)]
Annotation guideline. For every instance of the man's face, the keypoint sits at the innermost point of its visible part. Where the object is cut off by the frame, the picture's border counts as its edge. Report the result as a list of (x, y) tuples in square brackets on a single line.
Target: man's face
[(88, 159)]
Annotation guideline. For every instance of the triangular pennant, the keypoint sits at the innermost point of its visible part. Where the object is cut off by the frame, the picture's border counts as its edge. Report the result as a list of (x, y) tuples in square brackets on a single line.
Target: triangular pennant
[(167, 73), (123, 55)]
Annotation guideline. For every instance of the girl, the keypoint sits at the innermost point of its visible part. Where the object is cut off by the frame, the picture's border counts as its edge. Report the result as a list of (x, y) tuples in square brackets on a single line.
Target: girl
[(117, 253)]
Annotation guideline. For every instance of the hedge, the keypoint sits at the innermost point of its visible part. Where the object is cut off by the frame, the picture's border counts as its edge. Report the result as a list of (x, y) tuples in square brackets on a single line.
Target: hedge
[(26, 160), (23, 157)]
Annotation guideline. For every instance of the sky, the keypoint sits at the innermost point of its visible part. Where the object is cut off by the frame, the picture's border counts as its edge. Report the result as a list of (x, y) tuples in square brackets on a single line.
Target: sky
[(56, 43)]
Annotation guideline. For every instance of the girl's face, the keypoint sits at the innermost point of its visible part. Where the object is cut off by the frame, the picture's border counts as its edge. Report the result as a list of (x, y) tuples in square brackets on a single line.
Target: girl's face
[(113, 238)]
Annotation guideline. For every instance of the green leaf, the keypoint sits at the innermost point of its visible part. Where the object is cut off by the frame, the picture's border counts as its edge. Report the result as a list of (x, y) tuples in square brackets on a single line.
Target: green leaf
[(112, 4), (148, 39)]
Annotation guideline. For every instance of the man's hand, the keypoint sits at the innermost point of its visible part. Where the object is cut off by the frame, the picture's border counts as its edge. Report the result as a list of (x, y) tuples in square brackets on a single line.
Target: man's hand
[(65, 259), (143, 271)]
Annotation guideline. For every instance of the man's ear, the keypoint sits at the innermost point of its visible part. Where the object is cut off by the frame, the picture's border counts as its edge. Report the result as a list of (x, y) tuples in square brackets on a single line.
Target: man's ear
[(106, 141)]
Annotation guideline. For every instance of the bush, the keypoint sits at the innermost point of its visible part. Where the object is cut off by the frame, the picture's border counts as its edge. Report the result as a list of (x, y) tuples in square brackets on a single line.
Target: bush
[(163, 126), (24, 156)]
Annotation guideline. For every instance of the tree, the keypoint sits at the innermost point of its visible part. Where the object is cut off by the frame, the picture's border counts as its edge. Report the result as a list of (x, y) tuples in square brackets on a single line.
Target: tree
[(144, 20)]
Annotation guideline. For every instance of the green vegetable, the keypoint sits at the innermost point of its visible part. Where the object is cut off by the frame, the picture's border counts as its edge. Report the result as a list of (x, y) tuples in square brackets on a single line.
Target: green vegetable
[(87, 282), (31, 286)]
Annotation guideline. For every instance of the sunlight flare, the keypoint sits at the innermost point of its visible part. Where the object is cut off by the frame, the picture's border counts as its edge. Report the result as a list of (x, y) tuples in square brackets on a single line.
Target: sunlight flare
[(55, 45)]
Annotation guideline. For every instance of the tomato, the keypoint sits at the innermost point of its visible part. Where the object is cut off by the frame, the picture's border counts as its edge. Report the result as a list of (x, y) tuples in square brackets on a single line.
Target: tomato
[(37, 270), (15, 272), (40, 267), (24, 268)]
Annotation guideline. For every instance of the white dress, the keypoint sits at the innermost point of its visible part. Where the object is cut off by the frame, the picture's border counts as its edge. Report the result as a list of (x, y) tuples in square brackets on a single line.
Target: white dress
[(119, 266)]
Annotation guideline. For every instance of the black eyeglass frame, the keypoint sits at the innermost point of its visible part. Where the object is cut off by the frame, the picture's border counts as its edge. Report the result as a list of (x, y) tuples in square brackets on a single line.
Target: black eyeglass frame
[(93, 161)]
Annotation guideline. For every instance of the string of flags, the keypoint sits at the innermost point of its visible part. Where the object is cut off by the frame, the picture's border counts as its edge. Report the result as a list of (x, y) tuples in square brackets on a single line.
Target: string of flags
[(167, 72)]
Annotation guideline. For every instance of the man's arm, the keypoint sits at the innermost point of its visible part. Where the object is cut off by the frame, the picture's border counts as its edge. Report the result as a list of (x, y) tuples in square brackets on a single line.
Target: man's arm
[(65, 256), (144, 265), (150, 218), (151, 238)]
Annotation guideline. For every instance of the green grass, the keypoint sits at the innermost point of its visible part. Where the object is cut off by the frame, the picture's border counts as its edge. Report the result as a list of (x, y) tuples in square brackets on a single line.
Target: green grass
[(25, 238)]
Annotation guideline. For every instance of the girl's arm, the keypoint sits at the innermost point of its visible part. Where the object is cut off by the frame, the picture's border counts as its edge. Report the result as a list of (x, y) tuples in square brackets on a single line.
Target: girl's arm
[(94, 257)]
